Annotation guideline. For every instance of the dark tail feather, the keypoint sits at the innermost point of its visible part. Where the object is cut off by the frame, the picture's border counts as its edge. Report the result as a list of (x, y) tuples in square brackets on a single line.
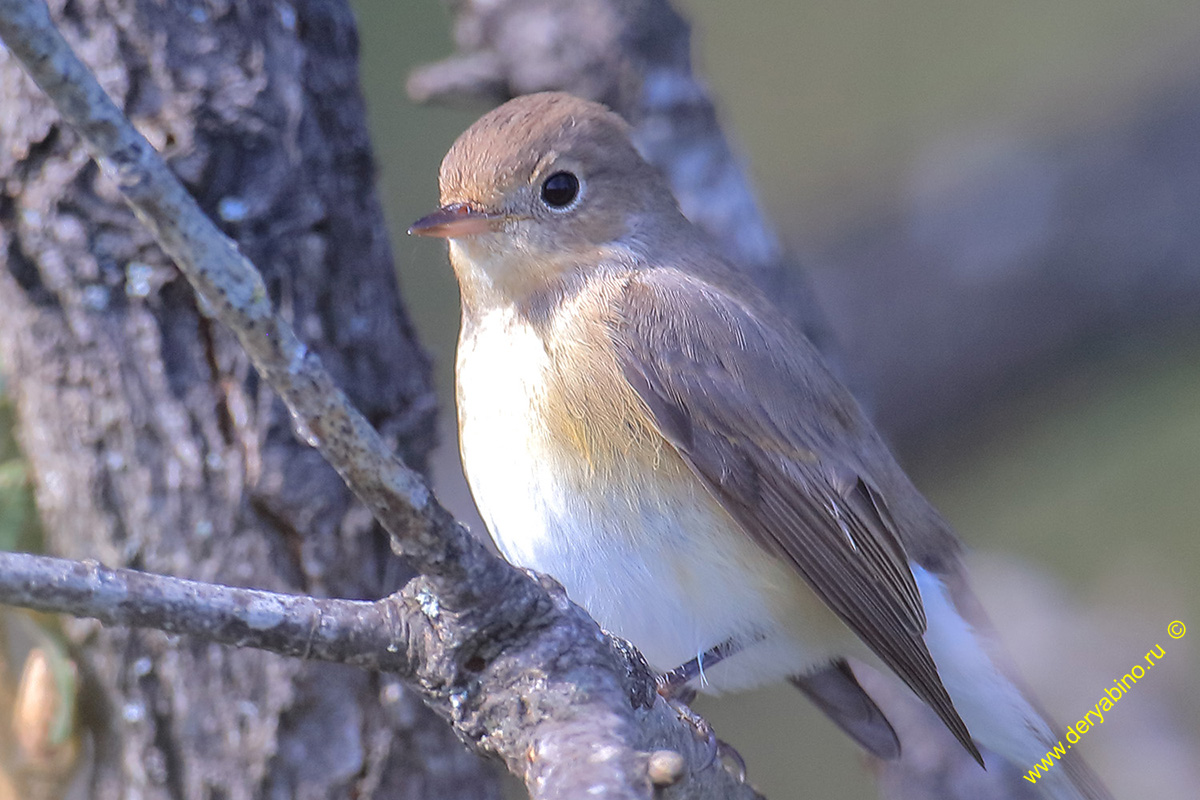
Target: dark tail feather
[(835, 690)]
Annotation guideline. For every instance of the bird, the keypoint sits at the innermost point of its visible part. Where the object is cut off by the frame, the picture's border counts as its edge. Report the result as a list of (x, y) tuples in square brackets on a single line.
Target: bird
[(639, 422)]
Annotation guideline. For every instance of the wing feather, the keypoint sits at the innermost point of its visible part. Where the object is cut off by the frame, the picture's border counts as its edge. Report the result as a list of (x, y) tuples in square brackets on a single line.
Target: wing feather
[(754, 413)]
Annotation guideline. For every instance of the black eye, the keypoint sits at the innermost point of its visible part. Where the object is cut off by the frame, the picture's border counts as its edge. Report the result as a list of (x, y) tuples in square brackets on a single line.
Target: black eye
[(560, 190)]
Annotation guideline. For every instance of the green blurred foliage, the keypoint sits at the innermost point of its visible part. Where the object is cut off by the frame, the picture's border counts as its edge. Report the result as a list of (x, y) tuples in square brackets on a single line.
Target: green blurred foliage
[(18, 515)]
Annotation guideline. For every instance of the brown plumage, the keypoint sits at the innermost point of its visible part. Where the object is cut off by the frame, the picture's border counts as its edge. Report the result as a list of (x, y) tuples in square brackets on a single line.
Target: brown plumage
[(641, 423)]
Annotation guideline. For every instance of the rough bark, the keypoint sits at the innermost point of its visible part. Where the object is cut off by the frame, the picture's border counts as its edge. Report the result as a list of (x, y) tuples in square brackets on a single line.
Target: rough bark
[(517, 669), (230, 414), (571, 711), (151, 441)]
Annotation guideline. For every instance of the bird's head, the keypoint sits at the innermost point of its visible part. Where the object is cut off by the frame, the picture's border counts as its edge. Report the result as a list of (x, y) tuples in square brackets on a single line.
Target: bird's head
[(545, 186)]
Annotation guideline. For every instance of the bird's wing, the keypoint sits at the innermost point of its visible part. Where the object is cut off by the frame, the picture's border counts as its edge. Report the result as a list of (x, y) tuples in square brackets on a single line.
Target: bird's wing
[(756, 415)]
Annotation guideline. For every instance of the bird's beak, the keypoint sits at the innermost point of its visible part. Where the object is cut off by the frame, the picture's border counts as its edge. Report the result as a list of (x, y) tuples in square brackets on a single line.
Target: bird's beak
[(455, 220)]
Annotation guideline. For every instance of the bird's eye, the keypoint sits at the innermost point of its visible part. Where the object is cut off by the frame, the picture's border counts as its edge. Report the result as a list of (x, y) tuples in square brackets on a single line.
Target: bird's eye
[(560, 190)]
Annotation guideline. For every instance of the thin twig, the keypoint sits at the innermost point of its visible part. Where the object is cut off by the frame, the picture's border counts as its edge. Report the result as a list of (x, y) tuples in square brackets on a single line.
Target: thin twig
[(516, 668), (368, 634), (234, 293)]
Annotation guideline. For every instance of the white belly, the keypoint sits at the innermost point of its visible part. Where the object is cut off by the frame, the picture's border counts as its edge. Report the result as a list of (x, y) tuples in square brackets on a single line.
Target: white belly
[(653, 565)]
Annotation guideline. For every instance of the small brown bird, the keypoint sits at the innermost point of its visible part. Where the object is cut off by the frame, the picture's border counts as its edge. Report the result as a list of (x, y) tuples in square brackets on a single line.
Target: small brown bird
[(640, 423)]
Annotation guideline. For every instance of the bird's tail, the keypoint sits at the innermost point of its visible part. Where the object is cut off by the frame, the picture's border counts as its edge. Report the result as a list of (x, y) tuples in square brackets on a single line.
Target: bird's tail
[(999, 713)]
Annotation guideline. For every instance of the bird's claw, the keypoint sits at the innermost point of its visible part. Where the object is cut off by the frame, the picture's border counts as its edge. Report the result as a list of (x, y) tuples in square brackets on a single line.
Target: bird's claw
[(673, 686), (714, 748), (700, 727), (732, 760)]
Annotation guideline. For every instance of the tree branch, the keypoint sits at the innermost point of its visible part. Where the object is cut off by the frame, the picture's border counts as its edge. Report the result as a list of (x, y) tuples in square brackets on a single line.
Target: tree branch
[(235, 294), (517, 669), (374, 635)]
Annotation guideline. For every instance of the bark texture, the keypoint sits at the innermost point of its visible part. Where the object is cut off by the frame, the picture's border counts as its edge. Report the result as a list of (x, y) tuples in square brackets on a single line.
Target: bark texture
[(518, 670), (154, 446), (151, 441)]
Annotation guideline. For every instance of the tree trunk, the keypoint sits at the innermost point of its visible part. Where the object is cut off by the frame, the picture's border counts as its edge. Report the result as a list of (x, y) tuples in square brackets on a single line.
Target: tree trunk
[(150, 439)]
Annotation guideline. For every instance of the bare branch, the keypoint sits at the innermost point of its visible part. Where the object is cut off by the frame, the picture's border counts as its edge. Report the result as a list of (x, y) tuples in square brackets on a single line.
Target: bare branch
[(235, 294), (367, 634), (392, 634), (516, 668)]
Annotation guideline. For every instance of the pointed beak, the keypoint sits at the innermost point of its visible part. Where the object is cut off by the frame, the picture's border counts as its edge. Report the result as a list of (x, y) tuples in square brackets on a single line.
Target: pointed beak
[(455, 220)]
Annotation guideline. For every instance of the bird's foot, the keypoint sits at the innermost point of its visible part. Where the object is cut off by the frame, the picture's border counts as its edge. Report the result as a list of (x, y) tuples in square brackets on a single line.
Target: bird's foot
[(674, 688), (732, 760), (670, 684), (714, 749), (703, 731)]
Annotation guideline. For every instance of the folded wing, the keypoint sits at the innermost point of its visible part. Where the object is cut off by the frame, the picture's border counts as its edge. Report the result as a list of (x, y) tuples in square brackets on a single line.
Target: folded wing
[(753, 411)]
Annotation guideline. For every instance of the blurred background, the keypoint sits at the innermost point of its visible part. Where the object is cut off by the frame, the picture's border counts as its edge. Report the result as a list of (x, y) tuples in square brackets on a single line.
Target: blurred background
[(922, 158)]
